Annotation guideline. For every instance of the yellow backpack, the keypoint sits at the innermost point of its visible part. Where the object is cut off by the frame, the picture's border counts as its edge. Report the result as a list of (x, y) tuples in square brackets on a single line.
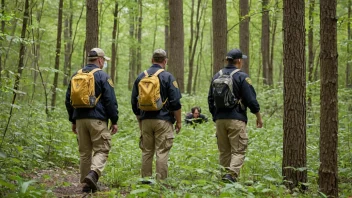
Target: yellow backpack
[(83, 90), (149, 98)]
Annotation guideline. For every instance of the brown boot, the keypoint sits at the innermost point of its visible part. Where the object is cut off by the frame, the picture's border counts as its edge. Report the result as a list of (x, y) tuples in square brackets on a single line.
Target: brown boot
[(91, 179)]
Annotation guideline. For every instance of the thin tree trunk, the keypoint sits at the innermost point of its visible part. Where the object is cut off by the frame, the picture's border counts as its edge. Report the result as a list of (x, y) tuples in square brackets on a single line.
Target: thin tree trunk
[(267, 77), (20, 65), (294, 160), (176, 54), (132, 46), (155, 27), (68, 44), (273, 38), (166, 29), (310, 50), (244, 33), (2, 7), (139, 38), (329, 121), (113, 45), (57, 55), (349, 36), (92, 26), (219, 22), (14, 23)]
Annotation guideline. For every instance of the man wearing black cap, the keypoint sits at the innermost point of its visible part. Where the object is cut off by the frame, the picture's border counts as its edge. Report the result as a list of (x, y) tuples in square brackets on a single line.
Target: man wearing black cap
[(156, 126), (91, 124), (231, 116)]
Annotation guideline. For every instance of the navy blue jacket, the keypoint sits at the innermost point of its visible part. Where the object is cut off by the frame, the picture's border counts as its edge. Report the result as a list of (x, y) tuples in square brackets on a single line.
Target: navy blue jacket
[(106, 107), (242, 89), (167, 90)]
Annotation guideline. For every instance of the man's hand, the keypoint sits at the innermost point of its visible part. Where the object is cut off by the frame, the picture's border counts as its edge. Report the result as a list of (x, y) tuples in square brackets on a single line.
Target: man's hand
[(259, 120), (74, 128), (113, 129), (178, 127)]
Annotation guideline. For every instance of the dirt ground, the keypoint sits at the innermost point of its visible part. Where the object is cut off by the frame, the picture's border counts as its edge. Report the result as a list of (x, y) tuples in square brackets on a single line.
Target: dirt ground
[(65, 183)]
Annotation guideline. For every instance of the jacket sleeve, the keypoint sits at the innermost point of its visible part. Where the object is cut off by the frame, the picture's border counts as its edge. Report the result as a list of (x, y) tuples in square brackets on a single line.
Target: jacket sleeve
[(173, 94), (109, 99), (211, 100), (134, 98), (248, 95), (68, 105)]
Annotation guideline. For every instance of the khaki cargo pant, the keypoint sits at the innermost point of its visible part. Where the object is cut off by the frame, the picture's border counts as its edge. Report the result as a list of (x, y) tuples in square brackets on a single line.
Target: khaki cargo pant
[(94, 140), (232, 142), (156, 137)]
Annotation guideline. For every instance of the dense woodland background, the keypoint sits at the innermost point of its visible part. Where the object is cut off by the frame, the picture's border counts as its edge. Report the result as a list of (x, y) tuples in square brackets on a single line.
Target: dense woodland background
[(303, 150)]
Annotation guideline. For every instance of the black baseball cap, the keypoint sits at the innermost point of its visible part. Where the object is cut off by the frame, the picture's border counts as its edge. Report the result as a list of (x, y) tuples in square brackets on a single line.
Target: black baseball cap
[(235, 54)]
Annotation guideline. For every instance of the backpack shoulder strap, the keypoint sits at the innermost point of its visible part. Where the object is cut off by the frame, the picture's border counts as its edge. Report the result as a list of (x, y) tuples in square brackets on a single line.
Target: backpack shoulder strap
[(235, 71), (158, 72), (94, 70), (146, 73), (79, 71), (220, 73)]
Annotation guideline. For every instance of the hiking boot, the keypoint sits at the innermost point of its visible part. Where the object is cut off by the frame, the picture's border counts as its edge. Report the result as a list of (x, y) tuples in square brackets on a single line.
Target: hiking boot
[(87, 189), (228, 178), (91, 180)]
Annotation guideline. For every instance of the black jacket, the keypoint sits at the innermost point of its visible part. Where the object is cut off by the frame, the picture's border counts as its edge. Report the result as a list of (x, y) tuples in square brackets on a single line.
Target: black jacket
[(168, 90), (190, 120), (242, 89), (106, 108)]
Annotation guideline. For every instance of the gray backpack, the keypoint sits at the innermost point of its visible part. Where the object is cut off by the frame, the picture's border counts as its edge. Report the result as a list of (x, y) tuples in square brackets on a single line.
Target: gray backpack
[(223, 91)]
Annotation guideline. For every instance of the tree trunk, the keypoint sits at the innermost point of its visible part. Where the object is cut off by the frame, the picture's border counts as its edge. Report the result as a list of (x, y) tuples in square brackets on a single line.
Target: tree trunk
[(273, 38), (349, 37), (310, 49), (328, 173), (166, 29), (132, 59), (68, 44), (267, 77), (219, 34), (57, 55), (294, 161), (2, 7), (244, 33), (92, 26), (139, 38), (176, 54), (114, 42)]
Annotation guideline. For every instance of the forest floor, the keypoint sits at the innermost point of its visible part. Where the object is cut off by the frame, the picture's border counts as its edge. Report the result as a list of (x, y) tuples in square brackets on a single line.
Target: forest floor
[(64, 182)]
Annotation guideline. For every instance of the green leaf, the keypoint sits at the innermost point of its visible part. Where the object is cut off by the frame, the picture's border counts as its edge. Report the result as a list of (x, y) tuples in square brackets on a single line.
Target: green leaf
[(7, 184), (137, 191), (25, 185)]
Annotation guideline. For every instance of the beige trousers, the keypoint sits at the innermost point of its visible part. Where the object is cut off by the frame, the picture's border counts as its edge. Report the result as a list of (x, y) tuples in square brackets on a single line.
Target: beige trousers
[(94, 140), (156, 137), (232, 142)]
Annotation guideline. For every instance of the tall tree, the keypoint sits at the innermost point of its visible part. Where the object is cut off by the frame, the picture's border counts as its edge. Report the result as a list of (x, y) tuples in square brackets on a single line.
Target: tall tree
[(132, 46), (176, 54), (57, 54), (68, 43), (114, 47), (139, 37), (349, 37), (2, 8), (166, 28), (219, 20), (244, 33), (294, 141), (310, 47), (328, 179), (273, 37), (265, 47), (92, 26), (192, 47)]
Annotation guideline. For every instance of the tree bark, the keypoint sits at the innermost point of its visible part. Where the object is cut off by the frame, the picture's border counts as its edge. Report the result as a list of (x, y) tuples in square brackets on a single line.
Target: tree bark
[(132, 59), (166, 29), (244, 33), (57, 55), (267, 76), (114, 42), (273, 38), (176, 54), (294, 161), (68, 44), (328, 170), (2, 7), (139, 38), (219, 34), (92, 26)]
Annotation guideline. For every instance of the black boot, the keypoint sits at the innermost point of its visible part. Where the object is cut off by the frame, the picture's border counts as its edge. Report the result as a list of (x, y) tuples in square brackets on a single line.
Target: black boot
[(228, 178), (91, 179)]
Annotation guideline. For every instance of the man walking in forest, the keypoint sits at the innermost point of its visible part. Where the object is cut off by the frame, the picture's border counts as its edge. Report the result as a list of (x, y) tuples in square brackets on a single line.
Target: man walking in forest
[(156, 114), (230, 93), (91, 103)]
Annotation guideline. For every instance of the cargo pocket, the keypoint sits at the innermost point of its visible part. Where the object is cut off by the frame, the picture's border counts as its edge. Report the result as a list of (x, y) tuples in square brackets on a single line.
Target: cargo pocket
[(169, 140), (106, 137), (141, 143), (243, 141)]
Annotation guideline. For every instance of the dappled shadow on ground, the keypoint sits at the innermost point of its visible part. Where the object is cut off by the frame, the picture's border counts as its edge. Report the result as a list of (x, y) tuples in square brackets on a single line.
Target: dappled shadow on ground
[(64, 183)]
